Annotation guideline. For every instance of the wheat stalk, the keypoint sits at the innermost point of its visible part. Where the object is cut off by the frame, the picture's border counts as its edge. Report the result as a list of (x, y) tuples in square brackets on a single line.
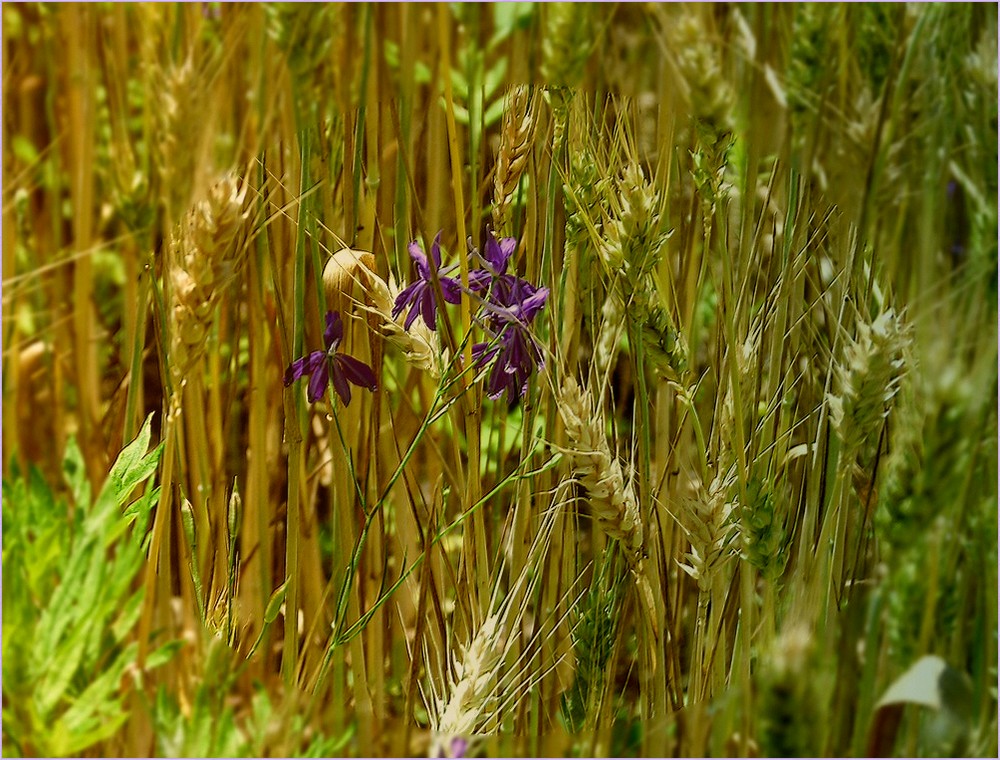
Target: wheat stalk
[(475, 692)]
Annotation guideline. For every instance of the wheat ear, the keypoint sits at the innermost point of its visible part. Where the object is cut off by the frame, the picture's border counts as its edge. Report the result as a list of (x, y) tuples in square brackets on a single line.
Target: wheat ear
[(205, 254), (519, 120)]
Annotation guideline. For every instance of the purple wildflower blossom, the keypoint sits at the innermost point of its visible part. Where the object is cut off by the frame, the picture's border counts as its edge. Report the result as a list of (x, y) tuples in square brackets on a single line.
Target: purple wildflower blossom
[(459, 746), (502, 289), (515, 351), (420, 296), (324, 366)]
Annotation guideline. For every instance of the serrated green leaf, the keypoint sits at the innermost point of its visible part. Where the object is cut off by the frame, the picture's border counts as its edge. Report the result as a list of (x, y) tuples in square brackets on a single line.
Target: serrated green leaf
[(131, 468), (163, 654), (66, 606), (107, 728), (129, 615), (100, 697), (75, 472), (54, 681)]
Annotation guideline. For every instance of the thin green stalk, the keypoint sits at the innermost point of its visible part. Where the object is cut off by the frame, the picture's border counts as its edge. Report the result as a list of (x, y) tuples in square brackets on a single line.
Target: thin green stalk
[(479, 578)]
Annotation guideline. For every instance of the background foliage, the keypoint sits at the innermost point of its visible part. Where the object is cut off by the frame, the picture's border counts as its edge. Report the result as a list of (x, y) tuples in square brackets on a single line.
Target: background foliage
[(751, 491)]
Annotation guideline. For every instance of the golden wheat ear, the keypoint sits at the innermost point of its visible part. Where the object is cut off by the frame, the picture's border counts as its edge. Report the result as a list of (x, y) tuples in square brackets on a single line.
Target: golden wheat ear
[(205, 255), (520, 118)]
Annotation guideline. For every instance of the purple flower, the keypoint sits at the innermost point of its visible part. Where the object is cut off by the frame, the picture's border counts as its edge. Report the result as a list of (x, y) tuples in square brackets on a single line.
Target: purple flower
[(502, 289), (420, 296), (515, 351), (324, 366), (459, 746)]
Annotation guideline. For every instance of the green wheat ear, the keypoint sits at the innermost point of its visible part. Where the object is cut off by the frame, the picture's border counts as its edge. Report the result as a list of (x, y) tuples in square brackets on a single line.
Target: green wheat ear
[(762, 529)]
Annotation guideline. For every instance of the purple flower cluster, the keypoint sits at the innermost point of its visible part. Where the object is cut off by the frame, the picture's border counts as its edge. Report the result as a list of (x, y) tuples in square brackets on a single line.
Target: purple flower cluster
[(509, 304), (323, 367)]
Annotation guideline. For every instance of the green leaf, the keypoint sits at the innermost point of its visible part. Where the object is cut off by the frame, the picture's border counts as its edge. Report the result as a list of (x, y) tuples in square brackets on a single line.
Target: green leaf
[(493, 113), (54, 681), (100, 697), (132, 467), (274, 603), (510, 17), (494, 78), (163, 654), (75, 471), (23, 148), (129, 615)]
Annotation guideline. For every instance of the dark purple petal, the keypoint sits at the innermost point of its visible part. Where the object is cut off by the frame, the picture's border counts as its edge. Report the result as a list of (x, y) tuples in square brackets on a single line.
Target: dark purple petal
[(451, 289), (520, 290), (420, 259), (412, 315), (340, 382), (406, 297), (317, 383), (304, 366), (533, 304), (357, 371), (497, 382), (427, 308), (436, 250), (498, 252), (482, 354), (334, 332), (479, 280)]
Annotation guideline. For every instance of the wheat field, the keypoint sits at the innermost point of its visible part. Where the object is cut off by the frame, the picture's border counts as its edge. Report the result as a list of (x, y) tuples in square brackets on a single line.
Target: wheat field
[(513, 379)]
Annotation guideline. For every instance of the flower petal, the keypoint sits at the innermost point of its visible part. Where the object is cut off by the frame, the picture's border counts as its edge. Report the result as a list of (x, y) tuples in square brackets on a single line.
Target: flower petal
[(340, 383), (479, 280), (451, 289), (317, 383), (436, 250), (334, 332), (304, 366), (533, 304), (295, 370), (420, 259), (427, 308), (498, 252), (405, 297), (357, 371), (482, 354), (414, 311)]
